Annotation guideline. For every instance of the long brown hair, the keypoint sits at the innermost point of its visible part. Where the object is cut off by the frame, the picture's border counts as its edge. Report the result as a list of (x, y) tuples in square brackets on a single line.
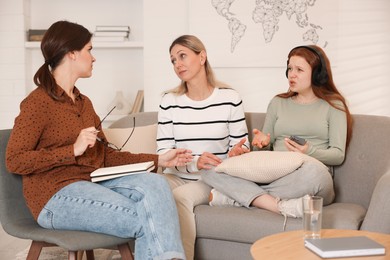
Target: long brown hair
[(327, 91), (193, 43), (61, 38)]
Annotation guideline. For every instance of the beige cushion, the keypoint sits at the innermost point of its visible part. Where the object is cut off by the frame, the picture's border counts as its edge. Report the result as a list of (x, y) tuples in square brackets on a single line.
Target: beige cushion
[(143, 139), (262, 166)]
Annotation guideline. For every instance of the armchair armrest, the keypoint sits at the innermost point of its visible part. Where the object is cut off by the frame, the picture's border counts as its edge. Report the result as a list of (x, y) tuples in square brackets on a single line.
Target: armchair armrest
[(378, 213)]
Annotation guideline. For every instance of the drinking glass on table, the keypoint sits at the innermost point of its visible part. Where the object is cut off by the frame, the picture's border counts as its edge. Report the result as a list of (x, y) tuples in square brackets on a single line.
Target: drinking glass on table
[(312, 216)]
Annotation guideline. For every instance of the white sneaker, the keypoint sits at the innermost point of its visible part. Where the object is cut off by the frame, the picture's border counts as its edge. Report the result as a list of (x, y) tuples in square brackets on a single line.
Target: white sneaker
[(219, 199), (291, 208)]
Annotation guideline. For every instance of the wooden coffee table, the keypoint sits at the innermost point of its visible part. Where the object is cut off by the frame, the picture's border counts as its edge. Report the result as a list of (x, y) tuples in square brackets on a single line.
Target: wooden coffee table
[(290, 245)]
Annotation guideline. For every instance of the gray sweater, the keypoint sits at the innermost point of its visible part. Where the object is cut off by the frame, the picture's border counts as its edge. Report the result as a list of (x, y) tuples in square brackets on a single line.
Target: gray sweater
[(323, 126)]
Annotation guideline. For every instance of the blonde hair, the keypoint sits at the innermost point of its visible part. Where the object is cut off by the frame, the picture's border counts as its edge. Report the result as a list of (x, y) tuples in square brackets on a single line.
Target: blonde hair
[(193, 43)]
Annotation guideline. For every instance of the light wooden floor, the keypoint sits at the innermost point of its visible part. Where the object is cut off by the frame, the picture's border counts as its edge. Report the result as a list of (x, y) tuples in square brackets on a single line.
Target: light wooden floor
[(10, 246)]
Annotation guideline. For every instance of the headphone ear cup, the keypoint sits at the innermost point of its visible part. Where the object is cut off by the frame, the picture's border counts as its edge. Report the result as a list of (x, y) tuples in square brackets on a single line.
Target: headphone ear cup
[(323, 77), (287, 70), (314, 77), (319, 77)]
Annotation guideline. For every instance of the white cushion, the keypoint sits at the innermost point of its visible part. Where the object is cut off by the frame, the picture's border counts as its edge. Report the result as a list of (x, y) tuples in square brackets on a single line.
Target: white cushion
[(262, 166), (143, 139)]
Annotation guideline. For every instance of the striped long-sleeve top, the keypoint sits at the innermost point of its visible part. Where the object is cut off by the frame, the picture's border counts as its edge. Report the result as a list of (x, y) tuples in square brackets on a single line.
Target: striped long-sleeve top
[(212, 125)]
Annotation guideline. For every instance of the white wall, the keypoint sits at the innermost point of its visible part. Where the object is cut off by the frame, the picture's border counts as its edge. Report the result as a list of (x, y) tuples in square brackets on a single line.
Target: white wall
[(363, 53), (163, 22), (12, 60), (361, 73)]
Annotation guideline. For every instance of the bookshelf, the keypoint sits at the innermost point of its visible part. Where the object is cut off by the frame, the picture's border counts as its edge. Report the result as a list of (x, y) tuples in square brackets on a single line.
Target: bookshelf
[(118, 66)]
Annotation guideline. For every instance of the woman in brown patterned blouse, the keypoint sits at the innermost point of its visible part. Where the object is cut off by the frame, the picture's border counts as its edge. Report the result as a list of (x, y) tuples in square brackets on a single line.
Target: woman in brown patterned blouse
[(53, 146)]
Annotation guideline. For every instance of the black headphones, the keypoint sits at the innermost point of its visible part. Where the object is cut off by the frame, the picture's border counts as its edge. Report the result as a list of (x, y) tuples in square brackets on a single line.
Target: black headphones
[(319, 74)]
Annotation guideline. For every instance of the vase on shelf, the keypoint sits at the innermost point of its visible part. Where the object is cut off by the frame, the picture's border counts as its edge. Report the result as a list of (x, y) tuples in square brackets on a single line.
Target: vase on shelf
[(121, 104)]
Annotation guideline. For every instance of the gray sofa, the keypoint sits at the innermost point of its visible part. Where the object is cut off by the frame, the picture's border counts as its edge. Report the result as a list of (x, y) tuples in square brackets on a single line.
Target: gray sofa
[(362, 185)]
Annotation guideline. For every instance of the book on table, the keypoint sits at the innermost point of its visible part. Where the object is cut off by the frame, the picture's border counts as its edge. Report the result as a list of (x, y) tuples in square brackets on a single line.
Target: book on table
[(344, 246), (107, 173)]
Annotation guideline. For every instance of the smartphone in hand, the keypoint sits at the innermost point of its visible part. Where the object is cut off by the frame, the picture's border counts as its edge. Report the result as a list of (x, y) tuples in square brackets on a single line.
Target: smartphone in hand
[(298, 140)]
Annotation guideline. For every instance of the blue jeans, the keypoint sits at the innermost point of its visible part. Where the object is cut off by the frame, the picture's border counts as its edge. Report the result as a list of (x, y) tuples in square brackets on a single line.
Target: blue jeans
[(137, 206)]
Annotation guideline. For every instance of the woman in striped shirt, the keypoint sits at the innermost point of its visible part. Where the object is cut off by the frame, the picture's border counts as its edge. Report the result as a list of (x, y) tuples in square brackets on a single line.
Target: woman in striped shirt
[(203, 115)]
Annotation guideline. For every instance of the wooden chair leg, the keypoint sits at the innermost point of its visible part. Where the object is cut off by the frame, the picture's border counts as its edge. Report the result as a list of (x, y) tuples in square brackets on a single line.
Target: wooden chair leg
[(72, 255), (35, 250), (125, 252), (89, 254)]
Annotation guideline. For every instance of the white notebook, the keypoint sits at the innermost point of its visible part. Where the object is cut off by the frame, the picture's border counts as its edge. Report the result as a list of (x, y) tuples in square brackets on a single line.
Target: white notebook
[(344, 246), (107, 173)]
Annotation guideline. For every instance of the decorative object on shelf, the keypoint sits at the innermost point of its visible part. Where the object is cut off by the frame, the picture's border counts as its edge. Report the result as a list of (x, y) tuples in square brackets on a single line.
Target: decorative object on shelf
[(138, 102), (35, 35), (111, 33), (123, 106)]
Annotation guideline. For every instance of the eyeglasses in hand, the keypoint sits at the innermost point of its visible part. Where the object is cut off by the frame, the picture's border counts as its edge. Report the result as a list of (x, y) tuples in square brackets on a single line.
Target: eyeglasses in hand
[(111, 145)]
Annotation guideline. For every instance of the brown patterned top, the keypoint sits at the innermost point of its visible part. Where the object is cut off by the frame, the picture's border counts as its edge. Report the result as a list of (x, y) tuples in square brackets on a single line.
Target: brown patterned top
[(41, 146)]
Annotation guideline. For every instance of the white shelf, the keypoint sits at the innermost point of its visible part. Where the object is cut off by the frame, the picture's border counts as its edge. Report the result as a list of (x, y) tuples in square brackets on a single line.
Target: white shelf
[(114, 45)]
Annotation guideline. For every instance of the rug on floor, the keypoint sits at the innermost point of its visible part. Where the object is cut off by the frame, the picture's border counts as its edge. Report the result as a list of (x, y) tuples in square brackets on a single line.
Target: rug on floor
[(57, 253)]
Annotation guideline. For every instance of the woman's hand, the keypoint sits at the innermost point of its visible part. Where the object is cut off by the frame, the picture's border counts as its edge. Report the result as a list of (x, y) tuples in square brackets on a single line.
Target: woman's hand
[(207, 161), (260, 139), (86, 139), (239, 148), (295, 147), (175, 157)]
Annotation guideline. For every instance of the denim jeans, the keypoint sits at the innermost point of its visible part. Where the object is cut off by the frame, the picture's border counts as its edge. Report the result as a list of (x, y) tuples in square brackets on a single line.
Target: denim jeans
[(311, 178), (137, 206)]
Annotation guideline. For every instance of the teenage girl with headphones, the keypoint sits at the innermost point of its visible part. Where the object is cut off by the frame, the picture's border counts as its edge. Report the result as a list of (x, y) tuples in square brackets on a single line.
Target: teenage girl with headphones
[(312, 109)]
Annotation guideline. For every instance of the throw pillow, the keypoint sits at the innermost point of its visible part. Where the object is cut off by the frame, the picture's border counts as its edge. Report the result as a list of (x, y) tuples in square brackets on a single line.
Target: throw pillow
[(143, 139), (261, 166)]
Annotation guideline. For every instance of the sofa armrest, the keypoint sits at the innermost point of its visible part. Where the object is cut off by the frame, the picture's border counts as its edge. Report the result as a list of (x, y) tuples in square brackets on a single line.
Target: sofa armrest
[(378, 213)]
